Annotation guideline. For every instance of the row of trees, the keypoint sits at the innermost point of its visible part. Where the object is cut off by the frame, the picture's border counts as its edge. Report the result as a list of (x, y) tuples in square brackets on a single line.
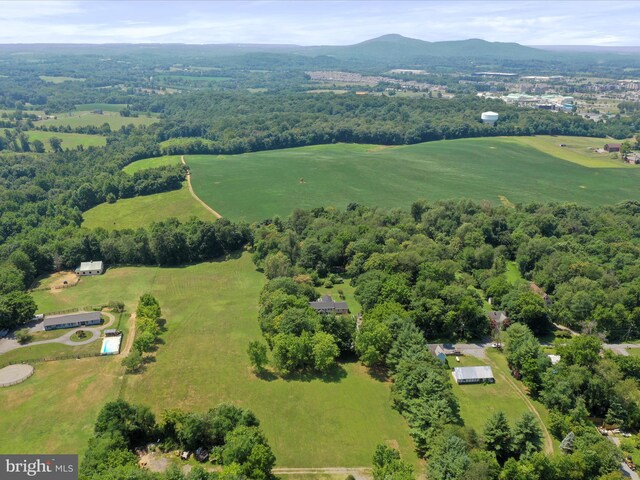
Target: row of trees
[(149, 326)]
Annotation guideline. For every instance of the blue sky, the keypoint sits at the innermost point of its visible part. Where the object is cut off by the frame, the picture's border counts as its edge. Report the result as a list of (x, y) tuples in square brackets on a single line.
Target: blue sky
[(577, 22)]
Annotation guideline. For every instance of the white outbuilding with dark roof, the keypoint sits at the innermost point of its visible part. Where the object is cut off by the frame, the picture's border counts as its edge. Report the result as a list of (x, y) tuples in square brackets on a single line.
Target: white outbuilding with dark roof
[(90, 268), (71, 320), (482, 374)]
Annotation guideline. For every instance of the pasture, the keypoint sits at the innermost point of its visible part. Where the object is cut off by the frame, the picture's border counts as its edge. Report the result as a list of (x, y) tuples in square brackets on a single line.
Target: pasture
[(69, 140), (255, 186), (152, 163), (85, 118), (60, 79), (211, 311), (141, 211), (105, 107)]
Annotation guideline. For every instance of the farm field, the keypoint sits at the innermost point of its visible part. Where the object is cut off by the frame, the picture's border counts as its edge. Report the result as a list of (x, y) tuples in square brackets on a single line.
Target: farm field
[(86, 118), (504, 170), (578, 150), (142, 211), (152, 163), (105, 107), (69, 140), (211, 311), (59, 79)]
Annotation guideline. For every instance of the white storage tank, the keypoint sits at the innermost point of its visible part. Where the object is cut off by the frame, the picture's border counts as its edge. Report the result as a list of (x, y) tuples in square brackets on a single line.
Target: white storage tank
[(489, 117)]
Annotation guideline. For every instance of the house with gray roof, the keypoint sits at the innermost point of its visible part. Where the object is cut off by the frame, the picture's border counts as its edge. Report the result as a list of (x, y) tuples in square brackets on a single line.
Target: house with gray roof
[(481, 374), (90, 268), (72, 320), (325, 304), (438, 352)]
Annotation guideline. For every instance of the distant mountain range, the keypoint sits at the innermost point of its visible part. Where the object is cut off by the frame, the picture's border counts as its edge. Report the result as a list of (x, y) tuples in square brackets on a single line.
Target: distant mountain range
[(396, 47), (378, 53)]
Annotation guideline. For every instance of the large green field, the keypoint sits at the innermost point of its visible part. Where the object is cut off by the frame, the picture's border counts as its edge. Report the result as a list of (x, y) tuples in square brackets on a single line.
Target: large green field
[(86, 118), (211, 311), (69, 140), (142, 211), (255, 186), (152, 163)]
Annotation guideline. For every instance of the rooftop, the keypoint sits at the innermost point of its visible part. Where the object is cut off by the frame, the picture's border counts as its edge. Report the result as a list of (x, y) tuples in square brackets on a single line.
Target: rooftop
[(470, 373), (70, 318), (92, 265)]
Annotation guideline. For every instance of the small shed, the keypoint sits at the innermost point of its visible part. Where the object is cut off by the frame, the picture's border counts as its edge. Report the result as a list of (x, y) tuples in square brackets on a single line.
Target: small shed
[(555, 359), (612, 147), (111, 332), (90, 268), (481, 374)]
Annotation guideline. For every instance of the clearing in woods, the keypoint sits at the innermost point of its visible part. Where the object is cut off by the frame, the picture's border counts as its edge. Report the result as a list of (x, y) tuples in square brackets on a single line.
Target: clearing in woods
[(69, 140), (211, 311), (255, 186)]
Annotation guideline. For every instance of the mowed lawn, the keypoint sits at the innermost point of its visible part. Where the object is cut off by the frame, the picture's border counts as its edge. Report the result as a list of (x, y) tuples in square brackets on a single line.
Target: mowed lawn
[(141, 211), (480, 401), (255, 186), (211, 311), (69, 140), (54, 411)]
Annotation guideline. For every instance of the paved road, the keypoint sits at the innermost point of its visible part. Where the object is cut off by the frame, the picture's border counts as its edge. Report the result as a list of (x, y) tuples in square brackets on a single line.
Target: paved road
[(627, 472), (8, 344)]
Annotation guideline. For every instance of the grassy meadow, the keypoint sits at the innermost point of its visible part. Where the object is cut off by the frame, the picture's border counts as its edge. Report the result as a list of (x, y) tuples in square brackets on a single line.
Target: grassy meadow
[(86, 118), (211, 311), (105, 107), (142, 211), (507, 170), (60, 79), (69, 140), (152, 163)]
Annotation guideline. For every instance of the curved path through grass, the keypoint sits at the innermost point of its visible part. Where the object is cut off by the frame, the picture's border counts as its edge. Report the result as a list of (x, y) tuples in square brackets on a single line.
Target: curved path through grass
[(193, 194)]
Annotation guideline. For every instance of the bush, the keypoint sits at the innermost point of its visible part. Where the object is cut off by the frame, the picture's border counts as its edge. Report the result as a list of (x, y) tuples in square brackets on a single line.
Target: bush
[(117, 306), (23, 336), (328, 284)]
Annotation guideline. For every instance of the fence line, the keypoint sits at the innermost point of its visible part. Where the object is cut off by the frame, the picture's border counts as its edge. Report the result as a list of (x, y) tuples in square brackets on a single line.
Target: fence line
[(76, 356)]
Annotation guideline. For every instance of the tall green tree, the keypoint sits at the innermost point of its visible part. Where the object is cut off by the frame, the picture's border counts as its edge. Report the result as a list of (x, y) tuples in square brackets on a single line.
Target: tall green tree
[(497, 436)]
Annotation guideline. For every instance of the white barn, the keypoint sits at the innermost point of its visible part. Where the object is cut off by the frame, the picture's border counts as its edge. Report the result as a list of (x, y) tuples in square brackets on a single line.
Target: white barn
[(90, 268), (481, 374)]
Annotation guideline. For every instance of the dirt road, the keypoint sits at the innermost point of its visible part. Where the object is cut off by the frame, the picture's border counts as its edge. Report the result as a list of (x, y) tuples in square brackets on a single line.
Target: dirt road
[(193, 194)]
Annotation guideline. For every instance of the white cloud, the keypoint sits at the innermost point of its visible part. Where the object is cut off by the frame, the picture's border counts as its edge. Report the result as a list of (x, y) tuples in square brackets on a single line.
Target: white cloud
[(313, 22), (32, 9)]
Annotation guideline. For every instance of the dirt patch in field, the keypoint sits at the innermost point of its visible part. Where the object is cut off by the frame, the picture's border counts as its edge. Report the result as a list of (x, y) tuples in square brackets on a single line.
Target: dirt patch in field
[(505, 201), (377, 148), (70, 278)]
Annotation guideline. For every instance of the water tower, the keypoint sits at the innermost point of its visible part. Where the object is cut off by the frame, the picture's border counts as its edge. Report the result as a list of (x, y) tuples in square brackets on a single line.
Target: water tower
[(489, 117)]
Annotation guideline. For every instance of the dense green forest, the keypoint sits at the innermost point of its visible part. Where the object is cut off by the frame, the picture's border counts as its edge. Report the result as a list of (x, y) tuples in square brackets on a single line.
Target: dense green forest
[(424, 275)]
